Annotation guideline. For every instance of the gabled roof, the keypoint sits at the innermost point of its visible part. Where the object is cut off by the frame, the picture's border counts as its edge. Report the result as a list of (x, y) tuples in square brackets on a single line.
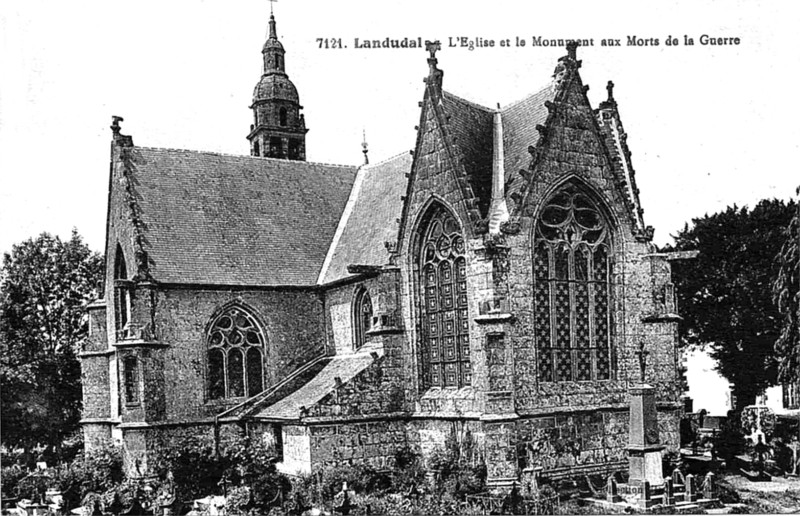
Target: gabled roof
[(519, 132), (370, 218), (218, 219), (471, 125)]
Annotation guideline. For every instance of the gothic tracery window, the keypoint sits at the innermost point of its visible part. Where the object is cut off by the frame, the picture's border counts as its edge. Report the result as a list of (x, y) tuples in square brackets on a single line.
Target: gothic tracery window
[(572, 289), (443, 304), (362, 318), (235, 356)]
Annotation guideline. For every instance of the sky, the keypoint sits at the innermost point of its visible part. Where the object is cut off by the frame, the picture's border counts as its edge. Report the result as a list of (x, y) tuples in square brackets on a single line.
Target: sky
[(708, 125)]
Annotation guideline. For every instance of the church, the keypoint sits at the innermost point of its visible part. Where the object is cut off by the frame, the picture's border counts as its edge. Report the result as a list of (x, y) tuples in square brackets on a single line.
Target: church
[(496, 285)]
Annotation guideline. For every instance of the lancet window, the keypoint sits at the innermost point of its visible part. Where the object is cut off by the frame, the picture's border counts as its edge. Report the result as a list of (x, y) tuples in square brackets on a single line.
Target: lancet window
[(362, 317), (572, 279), (445, 346)]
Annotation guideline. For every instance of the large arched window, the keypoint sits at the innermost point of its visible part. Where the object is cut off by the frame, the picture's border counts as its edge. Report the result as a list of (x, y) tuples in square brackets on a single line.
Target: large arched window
[(362, 318), (444, 335), (235, 355), (571, 289)]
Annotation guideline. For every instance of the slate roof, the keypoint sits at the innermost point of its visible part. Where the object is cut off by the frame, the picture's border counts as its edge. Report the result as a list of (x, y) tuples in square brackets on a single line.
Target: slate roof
[(519, 132), (344, 367), (370, 218), (237, 220), (471, 125)]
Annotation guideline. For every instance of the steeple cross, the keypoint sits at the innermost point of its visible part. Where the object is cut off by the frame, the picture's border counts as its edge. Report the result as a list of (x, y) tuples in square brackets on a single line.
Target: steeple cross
[(432, 47), (642, 360)]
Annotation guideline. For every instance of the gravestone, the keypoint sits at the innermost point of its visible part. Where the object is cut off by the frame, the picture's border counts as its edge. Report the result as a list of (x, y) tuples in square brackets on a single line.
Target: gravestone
[(757, 424)]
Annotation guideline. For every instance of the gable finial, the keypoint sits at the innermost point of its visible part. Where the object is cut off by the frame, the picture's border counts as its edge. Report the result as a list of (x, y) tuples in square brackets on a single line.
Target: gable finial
[(434, 75), (572, 49), (610, 89), (364, 148), (433, 47), (115, 127)]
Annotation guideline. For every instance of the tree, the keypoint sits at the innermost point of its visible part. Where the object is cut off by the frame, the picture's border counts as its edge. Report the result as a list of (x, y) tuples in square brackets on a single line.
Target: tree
[(725, 294), (45, 284), (786, 291)]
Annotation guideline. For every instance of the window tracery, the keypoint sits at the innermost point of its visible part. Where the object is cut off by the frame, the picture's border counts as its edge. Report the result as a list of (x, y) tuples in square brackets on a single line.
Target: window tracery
[(443, 304), (235, 356), (571, 261)]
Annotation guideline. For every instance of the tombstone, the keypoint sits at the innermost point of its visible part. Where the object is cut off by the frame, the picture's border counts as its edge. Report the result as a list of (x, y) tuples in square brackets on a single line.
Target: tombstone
[(795, 447), (709, 486), (612, 493), (343, 501), (690, 489), (677, 478), (646, 495), (669, 494)]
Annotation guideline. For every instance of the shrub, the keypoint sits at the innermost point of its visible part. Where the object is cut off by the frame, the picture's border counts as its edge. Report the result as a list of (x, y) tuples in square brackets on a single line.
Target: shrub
[(196, 467), (97, 471)]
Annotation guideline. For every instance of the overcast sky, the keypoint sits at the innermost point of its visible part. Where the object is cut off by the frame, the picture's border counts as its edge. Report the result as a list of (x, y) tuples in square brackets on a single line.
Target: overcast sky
[(708, 126)]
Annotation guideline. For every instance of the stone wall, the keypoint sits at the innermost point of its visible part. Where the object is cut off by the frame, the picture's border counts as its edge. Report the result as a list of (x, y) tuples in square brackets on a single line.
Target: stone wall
[(371, 443), (175, 374), (94, 379)]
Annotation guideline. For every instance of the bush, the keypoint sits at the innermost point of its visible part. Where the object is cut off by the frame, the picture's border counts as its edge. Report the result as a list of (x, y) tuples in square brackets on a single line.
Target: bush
[(244, 463), (98, 471), (196, 467), (11, 477)]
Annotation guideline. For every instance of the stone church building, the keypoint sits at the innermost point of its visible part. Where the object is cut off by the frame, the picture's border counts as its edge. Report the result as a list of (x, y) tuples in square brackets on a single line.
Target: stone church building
[(494, 285)]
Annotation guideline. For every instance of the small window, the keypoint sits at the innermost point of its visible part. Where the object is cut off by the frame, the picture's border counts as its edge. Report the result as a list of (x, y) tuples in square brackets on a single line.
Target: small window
[(275, 147), (282, 117), (131, 375), (256, 149), (362, 318), (294, 149)]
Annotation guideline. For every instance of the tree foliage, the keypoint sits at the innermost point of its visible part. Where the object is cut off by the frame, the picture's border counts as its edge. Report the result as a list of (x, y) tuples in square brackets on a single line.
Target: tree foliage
[(786, 291), (44, 285), (725, 294)]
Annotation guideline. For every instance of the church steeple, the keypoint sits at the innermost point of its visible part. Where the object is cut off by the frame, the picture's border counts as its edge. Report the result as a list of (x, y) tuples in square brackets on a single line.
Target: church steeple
[(279, 129)]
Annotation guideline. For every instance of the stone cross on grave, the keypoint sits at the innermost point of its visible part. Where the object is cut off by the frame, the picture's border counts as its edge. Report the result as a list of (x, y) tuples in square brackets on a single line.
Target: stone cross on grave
[(642, 354)]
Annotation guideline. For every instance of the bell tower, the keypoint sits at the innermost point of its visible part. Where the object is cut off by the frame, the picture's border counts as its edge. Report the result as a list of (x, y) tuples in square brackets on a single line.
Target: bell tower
[(278, 129)]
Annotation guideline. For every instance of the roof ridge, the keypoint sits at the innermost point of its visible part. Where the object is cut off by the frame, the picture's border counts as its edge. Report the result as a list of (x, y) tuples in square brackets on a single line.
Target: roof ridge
[(469, 102), (245, 156), (526, 97), (391, 158)]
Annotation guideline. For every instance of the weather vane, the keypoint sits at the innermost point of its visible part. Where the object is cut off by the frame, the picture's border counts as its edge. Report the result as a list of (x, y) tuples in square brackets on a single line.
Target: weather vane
[(271, 3)]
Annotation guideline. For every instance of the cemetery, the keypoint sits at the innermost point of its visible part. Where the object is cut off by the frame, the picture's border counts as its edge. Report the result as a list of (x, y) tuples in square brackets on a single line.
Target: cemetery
[(745, 464)]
